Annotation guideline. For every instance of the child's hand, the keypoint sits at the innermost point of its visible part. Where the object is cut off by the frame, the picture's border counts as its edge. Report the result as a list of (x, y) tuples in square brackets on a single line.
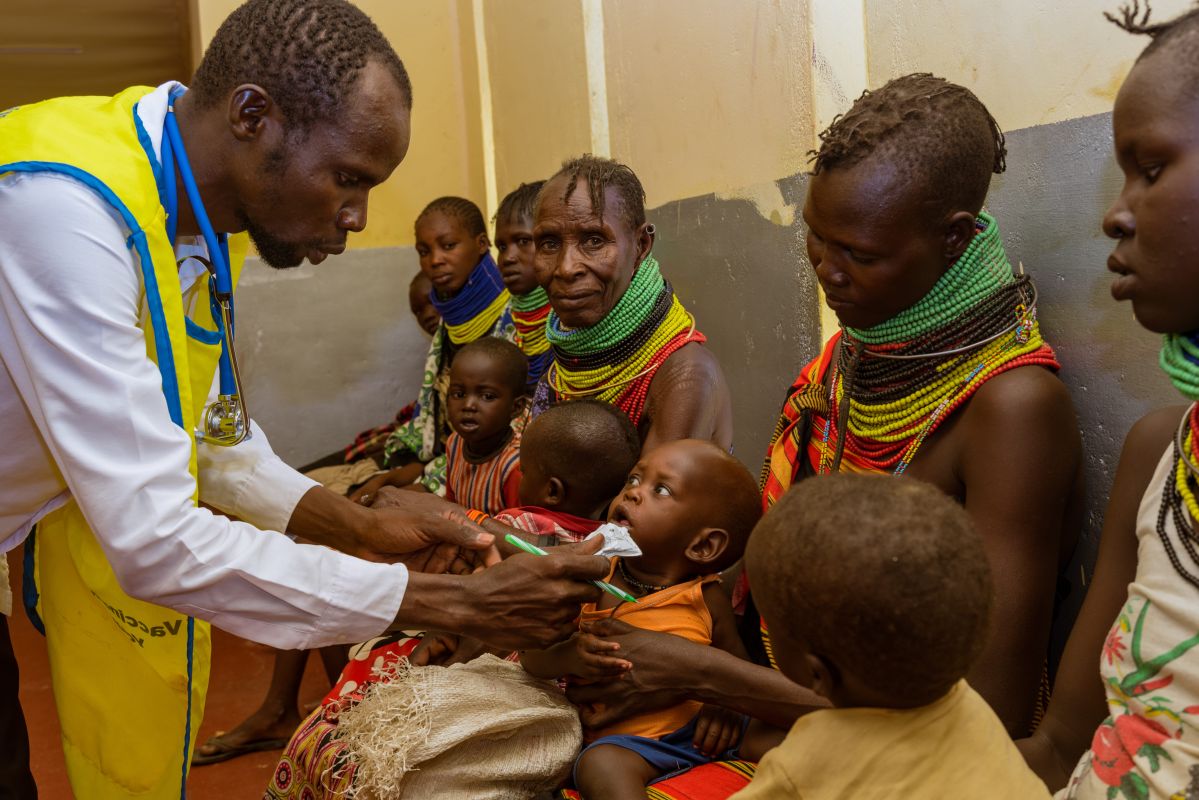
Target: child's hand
[(434, 649), (595, 659), (716, 730), (403, 476)]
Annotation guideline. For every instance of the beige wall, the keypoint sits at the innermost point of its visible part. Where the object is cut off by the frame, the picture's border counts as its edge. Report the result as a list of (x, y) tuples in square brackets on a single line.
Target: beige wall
[(707, 96), (435, 40), (1031, 61), (538, 87)]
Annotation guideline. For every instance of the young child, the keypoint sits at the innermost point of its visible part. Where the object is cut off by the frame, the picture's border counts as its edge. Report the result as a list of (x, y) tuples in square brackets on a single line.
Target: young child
[(485, 396), (421, 304), (469, 294), (530, 303), (877, 593), (1130, 731), (690, 506), (574, 459)]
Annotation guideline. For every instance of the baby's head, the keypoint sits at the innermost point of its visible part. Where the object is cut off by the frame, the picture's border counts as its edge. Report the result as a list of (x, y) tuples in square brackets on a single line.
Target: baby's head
[(574, 457), (487, 392), (896, 186), (421, 304), (876, 591), (451, 238), (690, 506), (514, 238)]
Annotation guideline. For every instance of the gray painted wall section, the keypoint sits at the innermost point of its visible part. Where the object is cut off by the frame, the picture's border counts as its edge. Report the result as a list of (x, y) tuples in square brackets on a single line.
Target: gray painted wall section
[(1060, 180), (330, 350), (748, 283)]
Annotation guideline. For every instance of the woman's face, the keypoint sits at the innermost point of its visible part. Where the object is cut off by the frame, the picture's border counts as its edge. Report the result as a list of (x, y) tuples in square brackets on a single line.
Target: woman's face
[(1156, 258), (872, 244), (448, 253), (585, 263), (514, 244)]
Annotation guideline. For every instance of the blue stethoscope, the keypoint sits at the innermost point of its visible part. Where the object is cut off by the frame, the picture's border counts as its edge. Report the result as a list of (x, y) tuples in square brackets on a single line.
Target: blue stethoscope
[(226, 421)]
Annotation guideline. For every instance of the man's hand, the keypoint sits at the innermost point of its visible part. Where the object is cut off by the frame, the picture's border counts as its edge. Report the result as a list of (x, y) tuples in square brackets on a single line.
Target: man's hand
[(648, 686), (426, 533), (525, 602)]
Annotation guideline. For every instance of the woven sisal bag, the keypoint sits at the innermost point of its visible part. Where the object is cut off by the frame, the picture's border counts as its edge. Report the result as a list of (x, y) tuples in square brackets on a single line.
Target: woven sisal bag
[(484, 730)]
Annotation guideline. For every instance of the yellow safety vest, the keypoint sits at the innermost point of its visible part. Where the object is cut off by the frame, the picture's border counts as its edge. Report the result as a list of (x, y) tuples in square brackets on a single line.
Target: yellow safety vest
[(129, 677)]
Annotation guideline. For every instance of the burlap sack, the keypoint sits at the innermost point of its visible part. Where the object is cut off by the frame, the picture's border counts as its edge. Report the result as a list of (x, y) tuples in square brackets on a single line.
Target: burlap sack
[(484, 730)]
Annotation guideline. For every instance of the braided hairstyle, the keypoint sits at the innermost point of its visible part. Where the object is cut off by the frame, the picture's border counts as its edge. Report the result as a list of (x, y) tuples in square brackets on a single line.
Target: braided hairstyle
[(939, 136), (460, 209), (519, 203), (600, 173), (1182, 31), (307, 55)]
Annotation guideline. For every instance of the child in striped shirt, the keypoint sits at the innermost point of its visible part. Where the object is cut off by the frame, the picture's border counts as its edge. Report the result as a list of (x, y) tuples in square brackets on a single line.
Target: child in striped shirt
[(486, 396)]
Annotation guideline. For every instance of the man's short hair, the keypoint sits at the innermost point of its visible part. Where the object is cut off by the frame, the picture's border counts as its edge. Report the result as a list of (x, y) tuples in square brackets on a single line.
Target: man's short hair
[(306, 54), (884, 577), (938, 135)]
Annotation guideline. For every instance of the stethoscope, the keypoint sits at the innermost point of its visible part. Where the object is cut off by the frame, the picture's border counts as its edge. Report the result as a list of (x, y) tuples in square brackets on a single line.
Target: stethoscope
[(224, 422)]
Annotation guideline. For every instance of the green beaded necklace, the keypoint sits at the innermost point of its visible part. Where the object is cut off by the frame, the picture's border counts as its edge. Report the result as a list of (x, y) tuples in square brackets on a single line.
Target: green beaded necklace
[(532, 301), (1180, 359), (981, 270), (629, 312)]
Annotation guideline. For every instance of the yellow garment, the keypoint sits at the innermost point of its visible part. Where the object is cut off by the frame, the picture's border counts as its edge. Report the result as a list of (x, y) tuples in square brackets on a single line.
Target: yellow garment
[(129, 677), (954, 748)]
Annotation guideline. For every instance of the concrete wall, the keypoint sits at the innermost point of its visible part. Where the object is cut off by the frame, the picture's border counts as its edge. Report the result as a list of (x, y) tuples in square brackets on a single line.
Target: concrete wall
[(328, 351), (1032, 61)]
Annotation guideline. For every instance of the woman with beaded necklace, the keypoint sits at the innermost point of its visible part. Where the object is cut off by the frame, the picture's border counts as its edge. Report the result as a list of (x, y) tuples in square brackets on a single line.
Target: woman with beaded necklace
[(968, 400), (939, 370), (618, 332), (1140, 620)]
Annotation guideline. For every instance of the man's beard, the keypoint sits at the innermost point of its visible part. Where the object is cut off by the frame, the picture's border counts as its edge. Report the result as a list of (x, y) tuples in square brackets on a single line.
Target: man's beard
[(276, 252)]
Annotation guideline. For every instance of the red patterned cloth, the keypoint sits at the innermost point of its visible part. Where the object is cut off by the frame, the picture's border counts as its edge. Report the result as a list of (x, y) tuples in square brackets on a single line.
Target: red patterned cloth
[(314, 764), (716, 781), (553, 525)]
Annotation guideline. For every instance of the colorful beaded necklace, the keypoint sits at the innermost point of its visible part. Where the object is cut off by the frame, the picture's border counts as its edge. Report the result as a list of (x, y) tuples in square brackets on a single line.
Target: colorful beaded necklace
[(898, 381), (1180, 359), (530, 312), (615, 360), (472, 312)]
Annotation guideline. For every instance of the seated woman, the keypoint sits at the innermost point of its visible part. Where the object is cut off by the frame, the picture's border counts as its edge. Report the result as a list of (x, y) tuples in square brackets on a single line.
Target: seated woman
[(469, 294), (1128, 729), (913, 268), (618, 331)]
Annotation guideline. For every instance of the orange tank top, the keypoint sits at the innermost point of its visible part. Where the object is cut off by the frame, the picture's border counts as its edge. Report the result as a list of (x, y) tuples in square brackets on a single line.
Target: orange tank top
[(678, 609)]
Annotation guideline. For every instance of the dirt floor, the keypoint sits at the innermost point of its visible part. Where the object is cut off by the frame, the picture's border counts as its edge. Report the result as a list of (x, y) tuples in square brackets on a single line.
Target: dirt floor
[(240, 674)]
